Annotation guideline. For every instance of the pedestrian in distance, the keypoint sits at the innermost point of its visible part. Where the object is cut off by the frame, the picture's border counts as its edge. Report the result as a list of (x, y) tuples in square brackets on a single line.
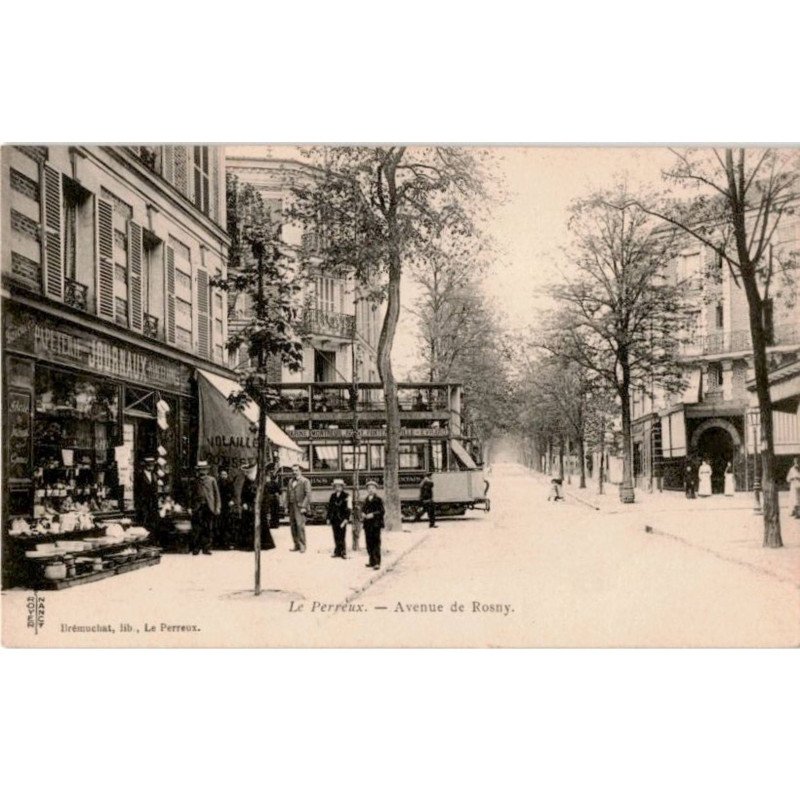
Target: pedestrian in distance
[(704, 473), (373, 514), (730, 481), (298, 503), (206, 507), (556, 492), (688, 479), (338, 516), (793, 479), (426, 501)]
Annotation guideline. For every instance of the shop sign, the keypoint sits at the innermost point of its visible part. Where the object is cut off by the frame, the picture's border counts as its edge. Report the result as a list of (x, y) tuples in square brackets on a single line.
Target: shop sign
[(60, 343), (367, 433)]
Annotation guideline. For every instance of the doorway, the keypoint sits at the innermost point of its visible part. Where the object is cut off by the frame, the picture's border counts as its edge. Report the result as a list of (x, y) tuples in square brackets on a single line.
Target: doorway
[(716, 446), (324, 366)]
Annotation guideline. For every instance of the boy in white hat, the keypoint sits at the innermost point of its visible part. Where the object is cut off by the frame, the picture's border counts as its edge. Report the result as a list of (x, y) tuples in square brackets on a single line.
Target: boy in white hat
[(338, 516)]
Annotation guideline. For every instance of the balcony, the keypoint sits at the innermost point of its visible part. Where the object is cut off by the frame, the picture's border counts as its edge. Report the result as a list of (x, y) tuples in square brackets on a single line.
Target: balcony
[(739, 340), (76, 294), (151, 326), (319, 322)]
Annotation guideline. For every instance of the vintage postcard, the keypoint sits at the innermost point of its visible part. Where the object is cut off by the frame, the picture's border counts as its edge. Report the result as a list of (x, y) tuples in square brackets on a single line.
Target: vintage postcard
[(400, 396)]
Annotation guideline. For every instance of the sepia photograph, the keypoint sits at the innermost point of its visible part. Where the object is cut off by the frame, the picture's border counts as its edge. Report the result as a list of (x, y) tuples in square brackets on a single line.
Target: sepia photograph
[(400, 395)]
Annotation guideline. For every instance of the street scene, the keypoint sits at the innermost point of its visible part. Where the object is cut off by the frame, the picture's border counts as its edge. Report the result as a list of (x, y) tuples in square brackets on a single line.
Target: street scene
[(423, 396)]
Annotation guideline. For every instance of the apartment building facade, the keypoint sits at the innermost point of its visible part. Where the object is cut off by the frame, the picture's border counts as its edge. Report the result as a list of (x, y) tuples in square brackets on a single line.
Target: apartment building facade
[(715, 418), (335, 314), (108, 312)]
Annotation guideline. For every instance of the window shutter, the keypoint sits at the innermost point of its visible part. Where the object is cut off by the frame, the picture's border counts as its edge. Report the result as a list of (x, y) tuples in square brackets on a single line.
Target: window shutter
[(51, 234), (169, 162), (213, 209), (169, 294), (202, 313), (135, 310), (105, 259)]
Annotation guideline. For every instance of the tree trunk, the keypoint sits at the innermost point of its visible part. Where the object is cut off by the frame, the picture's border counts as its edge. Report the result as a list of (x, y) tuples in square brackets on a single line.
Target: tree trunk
[(626, 492), (769, 488), (391, 476), (601, 469), (259, 499), (561, 458), (582, 456)]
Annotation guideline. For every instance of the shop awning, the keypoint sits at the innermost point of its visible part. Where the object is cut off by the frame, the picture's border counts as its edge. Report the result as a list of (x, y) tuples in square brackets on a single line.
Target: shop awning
[(226, 432), (462, 455)]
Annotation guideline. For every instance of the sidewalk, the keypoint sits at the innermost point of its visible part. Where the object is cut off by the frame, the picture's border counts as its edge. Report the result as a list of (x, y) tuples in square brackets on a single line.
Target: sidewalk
[(724, 526)]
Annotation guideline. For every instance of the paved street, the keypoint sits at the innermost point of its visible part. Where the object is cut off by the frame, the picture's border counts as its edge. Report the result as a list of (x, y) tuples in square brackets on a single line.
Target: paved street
[(530, 573)]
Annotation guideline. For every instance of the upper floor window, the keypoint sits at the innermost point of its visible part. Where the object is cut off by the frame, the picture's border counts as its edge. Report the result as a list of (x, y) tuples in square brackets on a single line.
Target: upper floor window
[(719, 314), (689, 268), (202, 172)]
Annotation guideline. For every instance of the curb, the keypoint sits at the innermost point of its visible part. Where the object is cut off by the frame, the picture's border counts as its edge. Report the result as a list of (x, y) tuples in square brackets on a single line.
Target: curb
[(716, 553), (389, 568)]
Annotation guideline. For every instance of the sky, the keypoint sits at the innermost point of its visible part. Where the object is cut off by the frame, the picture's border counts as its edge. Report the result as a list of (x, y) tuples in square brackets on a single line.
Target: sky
[(529, 229)]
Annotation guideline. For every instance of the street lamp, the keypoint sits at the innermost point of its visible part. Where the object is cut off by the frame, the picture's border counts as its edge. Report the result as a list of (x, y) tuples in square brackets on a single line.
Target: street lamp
[(753, 415)]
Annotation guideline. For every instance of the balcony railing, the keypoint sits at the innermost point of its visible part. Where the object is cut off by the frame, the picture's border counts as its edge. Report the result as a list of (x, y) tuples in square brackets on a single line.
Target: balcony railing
[(740, 341), (329, 323), (320, 398), (76, 294), (151, 326)]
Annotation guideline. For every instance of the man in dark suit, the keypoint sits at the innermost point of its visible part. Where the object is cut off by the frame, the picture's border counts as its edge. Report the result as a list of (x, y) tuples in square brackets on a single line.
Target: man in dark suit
[(298, 504), (372, 514), (338, 516), (426, 501), (146, 497), (206, 507)]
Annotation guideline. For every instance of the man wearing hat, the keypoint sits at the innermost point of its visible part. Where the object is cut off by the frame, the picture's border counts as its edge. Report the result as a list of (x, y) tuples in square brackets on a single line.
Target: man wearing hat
[(372, 514), (298, 503), (338, 516), (206, 507), (146, 496)]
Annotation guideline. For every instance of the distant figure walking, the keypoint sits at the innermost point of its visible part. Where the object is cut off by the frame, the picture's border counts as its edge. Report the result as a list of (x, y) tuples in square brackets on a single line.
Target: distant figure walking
[(556, 492), (372, 514), (426, 501), (793, 479), (704, 473), (689, 479), (730, 481)]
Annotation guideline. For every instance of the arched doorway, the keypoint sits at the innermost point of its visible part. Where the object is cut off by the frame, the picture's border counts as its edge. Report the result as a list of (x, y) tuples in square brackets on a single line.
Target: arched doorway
[(716, 445)]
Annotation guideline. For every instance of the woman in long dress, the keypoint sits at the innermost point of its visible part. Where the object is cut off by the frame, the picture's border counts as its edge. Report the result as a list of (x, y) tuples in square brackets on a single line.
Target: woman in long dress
[(730, 485), (704, 473)]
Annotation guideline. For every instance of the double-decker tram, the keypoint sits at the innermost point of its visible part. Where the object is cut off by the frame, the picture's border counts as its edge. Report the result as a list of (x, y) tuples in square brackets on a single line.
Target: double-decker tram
[(345, 437)]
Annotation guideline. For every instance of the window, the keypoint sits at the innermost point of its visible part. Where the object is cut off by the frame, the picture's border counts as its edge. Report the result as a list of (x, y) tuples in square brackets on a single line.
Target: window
[(183, 314), (183, 283), (183, 338), (326, 457), (714, 376), (201, 178), (412, 456), (348, 457), (720, 315), (376, 456), (325, 294), (689, 268)]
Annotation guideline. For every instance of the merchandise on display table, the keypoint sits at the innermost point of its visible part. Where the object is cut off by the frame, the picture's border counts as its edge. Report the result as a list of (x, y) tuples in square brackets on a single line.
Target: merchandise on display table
[(57, 553)]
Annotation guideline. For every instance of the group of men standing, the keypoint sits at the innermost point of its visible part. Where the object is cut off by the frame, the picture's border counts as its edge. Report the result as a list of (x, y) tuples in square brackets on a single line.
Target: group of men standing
[(223, 510)]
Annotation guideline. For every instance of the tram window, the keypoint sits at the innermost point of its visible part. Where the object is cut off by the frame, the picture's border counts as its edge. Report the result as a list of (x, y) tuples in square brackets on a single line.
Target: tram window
[(326, 457), (376, 452), (437, 456), (412, 456), (348, 457)]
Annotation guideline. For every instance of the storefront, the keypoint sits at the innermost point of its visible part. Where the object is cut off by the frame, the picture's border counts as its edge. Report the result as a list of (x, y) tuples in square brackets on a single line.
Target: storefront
[(84, 410)]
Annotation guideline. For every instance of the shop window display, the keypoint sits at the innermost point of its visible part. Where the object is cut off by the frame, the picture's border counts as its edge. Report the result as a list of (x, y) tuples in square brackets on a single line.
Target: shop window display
[(75, 429)]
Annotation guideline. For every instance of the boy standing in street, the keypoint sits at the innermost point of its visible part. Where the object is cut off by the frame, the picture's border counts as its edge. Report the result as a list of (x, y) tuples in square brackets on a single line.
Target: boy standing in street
[(373, 513), (338, 517)]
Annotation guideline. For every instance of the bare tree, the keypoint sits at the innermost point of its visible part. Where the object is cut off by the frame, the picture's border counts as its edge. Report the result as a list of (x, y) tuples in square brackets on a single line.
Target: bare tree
[(619, 317), (739, 198)]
